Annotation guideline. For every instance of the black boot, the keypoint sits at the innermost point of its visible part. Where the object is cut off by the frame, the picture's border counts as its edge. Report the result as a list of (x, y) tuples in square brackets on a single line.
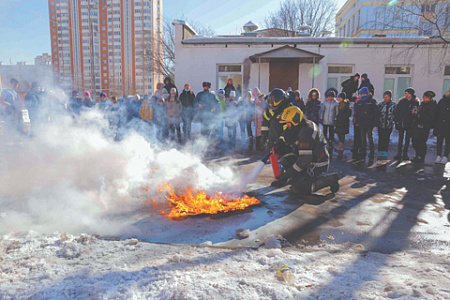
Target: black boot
[(331, 180), (258, 143)]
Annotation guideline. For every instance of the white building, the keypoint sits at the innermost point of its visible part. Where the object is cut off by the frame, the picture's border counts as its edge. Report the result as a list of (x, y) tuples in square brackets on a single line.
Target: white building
[(304, 62)]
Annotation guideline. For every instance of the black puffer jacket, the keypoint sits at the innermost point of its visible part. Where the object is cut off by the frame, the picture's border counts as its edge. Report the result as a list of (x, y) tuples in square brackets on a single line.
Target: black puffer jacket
[(405, 113), (442, 126), (367, 113), (343, 118), (349, 87)]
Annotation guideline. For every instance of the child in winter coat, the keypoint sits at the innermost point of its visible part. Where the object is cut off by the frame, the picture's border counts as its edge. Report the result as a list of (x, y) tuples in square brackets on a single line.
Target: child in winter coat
[(231, 118), (442, 129), (328, 115), (247, 110), (160, 118), (385, 124), (404, 115), (260, 107), (423, 123), (366, 118), (174, 108), (312, 107), (343, 120), (187, 98)]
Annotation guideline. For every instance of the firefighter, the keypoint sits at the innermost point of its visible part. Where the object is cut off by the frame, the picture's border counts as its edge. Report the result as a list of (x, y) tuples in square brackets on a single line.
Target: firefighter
[(304, 155), (271, 127)]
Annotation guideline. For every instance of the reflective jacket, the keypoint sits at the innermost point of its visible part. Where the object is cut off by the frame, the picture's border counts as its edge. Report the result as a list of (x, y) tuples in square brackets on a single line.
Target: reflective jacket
[(271, 128), (310, 147)]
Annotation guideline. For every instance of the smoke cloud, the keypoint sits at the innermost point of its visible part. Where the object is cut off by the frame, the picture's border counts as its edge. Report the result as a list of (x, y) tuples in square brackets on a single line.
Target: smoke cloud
[(74, 177)]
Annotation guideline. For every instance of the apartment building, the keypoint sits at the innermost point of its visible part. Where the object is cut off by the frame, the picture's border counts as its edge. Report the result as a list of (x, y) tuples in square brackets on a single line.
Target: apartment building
[(111, 46)]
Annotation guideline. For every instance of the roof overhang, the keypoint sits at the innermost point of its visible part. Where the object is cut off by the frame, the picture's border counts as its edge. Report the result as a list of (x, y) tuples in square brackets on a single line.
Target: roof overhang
[(287, 53)]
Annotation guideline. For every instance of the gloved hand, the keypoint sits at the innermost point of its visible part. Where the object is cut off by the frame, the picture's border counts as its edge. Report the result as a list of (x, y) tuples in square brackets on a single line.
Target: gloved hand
[(283, 179), (281, 148)]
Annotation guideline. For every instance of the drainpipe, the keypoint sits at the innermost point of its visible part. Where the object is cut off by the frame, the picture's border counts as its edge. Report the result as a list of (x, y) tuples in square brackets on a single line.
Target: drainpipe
[(259, 73), (313, 74)]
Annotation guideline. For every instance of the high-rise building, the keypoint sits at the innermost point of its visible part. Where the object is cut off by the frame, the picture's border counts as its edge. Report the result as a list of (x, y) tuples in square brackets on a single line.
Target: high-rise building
[(111, 46), (391, 18), (43, 60)]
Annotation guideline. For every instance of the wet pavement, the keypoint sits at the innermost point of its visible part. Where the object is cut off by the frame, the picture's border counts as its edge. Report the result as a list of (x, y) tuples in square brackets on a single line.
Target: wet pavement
[(385, 209)]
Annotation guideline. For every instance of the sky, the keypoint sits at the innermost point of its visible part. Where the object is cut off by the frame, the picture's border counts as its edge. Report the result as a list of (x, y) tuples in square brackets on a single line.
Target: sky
[(25, 32)]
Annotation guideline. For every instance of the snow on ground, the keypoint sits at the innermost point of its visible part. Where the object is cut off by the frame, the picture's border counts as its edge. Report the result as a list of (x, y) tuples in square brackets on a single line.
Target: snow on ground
[(62, 266)]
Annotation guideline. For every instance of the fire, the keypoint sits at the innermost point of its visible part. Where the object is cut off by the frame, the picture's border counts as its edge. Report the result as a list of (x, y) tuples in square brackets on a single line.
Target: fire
[(198, 202)]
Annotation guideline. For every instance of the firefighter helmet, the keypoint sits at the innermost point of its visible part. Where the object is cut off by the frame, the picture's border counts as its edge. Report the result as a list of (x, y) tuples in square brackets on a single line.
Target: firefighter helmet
[(293, 115), (277, 99)]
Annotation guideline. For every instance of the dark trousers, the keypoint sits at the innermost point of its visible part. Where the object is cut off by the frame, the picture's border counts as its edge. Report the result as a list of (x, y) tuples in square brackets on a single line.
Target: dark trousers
[(328, 132), (440, 143), (232, 134), (367, 134), (384, 139), (187, 125), (403, 134), (420, 143), (246, 125), (172, 128), (341, 137), (356, 139)]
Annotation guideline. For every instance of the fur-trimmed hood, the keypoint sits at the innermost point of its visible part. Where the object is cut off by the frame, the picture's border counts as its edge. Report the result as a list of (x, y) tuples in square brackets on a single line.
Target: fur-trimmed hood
[(311, 91)]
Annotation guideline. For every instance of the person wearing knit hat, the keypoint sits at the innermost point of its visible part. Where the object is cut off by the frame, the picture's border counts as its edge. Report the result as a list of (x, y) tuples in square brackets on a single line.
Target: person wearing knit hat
[(426, 116), (410, 91), (366, 118), (405, 113), (328, 116), (365, 82), (87, 101), (442, 129), (343, 120), (385, 125)]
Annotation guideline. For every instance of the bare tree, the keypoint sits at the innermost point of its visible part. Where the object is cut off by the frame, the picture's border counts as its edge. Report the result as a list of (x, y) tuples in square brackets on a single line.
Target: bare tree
[(166, 63), (428, 18), (319, 14)]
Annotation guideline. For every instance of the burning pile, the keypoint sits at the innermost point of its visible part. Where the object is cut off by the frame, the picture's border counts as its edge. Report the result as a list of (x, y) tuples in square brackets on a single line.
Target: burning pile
[(193, 202)]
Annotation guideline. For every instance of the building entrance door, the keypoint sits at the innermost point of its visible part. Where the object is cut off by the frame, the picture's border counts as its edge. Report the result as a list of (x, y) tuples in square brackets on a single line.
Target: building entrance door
[(283, 75)]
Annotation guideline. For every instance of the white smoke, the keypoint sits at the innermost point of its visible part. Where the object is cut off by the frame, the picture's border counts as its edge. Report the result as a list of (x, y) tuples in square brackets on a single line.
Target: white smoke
[(75, 178)]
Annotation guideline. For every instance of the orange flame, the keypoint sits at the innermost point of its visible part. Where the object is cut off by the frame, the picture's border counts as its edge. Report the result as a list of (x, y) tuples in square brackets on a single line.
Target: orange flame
[(197, 202)]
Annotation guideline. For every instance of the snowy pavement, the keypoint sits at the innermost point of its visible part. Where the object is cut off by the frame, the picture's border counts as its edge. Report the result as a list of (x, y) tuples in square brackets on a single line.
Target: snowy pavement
[(62, 266)]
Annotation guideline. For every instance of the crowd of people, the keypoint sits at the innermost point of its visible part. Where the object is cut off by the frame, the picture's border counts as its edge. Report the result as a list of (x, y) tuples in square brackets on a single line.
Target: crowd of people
[(169, 114)]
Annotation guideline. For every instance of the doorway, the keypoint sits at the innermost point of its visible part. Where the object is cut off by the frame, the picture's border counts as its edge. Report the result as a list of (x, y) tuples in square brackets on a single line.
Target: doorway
[(283, 74)]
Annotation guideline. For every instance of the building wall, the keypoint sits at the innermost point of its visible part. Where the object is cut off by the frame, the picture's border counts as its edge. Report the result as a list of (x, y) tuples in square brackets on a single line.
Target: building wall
[(365, 18), (109, 40), (198, 63)]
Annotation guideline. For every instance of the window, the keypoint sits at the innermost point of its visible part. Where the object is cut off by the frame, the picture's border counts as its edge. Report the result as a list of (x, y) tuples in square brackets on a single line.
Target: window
[(225, 72), (397, 79), (230, 68), (338, 74), (446, 79)]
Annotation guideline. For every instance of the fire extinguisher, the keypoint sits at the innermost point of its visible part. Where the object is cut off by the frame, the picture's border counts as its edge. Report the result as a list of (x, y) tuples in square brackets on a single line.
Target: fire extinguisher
[(276, 165)]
